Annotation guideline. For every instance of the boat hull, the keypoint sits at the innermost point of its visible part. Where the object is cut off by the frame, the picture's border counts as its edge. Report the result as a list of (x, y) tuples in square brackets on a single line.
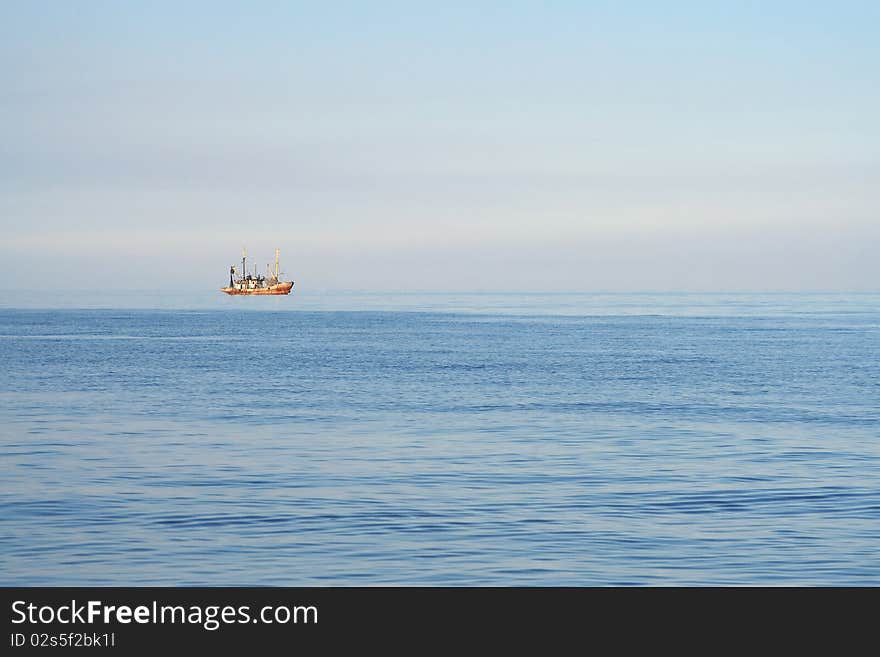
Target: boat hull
[(278, 288)]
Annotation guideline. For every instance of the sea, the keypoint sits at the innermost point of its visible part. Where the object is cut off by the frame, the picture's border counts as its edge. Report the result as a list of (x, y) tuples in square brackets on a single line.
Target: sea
[(402, 438)]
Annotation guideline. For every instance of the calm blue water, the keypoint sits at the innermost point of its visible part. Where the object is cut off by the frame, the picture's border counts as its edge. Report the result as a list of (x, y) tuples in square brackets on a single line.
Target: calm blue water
[(498, 439)]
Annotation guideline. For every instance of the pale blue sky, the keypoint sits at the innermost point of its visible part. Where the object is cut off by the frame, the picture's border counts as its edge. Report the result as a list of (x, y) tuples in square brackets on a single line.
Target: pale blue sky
[(555, 146)]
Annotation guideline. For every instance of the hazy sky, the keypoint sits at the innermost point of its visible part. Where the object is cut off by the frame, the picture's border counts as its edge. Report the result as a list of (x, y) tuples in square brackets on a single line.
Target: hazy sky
[(486, 146)]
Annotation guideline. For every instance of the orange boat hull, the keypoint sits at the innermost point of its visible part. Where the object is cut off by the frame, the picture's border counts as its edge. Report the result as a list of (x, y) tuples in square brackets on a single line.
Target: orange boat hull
[(278, 288)]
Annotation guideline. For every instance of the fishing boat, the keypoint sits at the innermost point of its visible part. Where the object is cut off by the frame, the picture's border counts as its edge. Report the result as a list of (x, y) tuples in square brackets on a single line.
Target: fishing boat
[(245, 282)]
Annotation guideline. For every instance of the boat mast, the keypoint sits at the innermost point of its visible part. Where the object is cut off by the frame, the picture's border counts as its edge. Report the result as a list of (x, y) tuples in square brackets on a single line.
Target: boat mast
[(243, 258), (277, 254)]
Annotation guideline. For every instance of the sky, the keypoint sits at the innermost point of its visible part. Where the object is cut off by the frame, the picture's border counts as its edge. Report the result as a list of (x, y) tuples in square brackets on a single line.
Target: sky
[(468, 146)]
